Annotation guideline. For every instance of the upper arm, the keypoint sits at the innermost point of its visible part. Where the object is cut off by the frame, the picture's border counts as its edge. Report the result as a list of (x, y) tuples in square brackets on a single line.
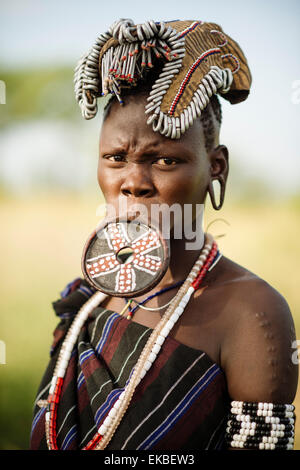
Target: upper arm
[(257, 350)]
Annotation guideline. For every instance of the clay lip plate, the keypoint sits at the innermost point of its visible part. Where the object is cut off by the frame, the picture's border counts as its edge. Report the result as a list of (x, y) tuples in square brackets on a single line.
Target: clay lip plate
[(141, 278)]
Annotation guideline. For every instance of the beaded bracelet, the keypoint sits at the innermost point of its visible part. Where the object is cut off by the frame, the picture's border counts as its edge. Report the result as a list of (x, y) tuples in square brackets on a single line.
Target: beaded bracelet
[(265, 426)]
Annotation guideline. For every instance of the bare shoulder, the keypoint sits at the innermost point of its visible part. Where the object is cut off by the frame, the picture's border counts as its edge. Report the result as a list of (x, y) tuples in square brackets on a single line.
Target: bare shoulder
[(257, 345)]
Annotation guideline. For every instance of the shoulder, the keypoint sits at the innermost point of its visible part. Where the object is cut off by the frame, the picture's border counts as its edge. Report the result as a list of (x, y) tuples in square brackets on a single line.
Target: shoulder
[(256, 350)]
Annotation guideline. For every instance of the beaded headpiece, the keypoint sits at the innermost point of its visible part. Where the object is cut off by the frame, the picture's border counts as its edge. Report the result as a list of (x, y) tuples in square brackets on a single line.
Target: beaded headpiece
[(195, 60)]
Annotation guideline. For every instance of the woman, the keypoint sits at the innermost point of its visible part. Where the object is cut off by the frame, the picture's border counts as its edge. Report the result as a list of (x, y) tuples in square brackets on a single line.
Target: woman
[(203, 359)]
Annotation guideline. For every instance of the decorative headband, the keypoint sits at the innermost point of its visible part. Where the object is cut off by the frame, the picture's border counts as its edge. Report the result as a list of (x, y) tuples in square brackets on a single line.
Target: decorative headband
[(196, 60)]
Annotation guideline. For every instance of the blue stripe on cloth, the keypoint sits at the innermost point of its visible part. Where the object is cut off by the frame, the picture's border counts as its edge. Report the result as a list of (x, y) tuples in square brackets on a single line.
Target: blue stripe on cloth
[(69, 437), (87, 291), (181, 408), (113, 395), (67, 314), (109, 402), (37, 417), (110, 321), (85, 355), (68, 287), (80, 380)]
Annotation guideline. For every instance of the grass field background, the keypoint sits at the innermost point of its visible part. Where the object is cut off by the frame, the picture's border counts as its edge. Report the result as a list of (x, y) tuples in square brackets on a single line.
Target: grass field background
[(42, 239)]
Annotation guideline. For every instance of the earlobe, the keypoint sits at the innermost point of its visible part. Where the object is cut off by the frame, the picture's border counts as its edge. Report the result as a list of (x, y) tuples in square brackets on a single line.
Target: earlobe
[(219, 172), (211, 192)]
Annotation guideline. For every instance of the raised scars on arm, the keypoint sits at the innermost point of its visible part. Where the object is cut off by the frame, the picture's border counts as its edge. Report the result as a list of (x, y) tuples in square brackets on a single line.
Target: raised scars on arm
[(257, 352)]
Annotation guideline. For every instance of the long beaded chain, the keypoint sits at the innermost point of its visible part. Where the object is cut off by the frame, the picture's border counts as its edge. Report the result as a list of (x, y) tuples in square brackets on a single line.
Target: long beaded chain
[(107, 429)]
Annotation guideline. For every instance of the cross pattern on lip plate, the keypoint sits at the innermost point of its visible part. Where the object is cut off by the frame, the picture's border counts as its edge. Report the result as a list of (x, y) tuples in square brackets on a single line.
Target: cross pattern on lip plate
[(139, 266)]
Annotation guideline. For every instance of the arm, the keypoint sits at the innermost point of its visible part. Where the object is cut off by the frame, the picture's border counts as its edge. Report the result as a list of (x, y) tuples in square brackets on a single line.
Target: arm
[(257, 349)]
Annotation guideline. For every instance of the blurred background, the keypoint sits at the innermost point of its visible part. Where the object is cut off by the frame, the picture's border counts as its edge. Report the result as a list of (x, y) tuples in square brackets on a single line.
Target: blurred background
[(48, 160)]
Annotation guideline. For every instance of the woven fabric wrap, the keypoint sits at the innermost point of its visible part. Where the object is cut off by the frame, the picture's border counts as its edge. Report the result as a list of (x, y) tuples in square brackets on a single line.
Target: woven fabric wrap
[(182, 402), (197, 60)]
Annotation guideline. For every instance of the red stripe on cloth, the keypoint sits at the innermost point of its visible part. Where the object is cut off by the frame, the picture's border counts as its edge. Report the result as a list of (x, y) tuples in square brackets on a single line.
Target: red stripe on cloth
[(91, 364), (83, 397), (169, 346), (110, 346), (113, 338)]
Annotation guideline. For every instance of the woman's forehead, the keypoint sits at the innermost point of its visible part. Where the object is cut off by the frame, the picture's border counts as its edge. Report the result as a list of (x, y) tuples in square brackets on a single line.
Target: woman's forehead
[(128, 124)]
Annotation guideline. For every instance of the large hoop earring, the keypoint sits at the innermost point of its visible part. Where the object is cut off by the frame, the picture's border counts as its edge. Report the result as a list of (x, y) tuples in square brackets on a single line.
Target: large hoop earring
[(211, 192)]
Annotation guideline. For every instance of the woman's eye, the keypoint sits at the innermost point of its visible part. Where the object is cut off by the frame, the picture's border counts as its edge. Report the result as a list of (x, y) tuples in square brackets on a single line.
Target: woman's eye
[(165, 161), (115, 158)]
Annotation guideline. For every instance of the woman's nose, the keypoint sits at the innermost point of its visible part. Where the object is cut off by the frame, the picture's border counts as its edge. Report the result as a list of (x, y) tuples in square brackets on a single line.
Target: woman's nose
[(138, 182)]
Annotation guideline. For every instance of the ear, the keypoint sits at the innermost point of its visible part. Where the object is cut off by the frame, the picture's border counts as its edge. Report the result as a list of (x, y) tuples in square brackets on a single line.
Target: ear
[(219, 165)]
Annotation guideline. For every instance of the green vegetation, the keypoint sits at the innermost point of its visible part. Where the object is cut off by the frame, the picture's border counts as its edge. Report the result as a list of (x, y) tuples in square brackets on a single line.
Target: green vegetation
[(33, 94)]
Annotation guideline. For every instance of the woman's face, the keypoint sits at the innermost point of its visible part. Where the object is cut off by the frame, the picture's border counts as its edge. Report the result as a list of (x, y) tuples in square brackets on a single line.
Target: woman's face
[(140, 166)]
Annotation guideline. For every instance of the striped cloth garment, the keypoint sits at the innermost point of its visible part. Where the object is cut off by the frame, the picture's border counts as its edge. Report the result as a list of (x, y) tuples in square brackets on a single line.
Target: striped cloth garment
[(182, 402)]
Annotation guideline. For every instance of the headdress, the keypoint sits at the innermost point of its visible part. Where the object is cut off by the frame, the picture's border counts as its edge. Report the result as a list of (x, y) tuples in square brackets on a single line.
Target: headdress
[(195, 60)]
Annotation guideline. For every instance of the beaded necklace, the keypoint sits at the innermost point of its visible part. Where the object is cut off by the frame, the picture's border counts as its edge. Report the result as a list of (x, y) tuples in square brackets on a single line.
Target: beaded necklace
[(165, 289), (107, 429), (141, 304)]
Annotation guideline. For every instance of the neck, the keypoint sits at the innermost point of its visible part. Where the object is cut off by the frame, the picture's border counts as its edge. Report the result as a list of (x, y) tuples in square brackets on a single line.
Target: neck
[(184, 252)]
